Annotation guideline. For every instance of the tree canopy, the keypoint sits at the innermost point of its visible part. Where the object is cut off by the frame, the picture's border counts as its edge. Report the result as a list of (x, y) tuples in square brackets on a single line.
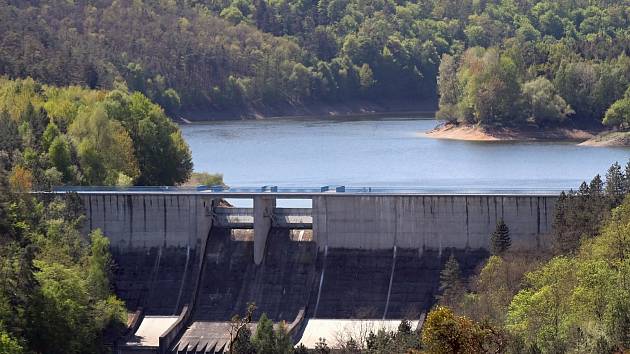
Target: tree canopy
[(75, 135), (496, 60)]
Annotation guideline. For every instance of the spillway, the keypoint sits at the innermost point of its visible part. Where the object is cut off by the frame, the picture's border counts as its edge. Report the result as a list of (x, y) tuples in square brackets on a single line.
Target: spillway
[(231, 280), (279, 287), (333, 284), (158, 280)]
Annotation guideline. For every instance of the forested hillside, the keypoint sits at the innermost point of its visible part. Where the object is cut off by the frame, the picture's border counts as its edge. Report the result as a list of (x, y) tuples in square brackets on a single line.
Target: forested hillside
[(51, 136), (232, 53), (574, 300)]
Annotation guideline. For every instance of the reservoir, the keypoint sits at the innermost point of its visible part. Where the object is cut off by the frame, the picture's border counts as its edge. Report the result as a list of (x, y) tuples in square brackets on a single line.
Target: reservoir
[(385, 153)]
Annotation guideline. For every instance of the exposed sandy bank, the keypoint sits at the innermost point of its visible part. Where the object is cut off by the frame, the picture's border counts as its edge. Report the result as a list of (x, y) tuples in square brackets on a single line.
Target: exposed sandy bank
[(609, 139), (477, 133)]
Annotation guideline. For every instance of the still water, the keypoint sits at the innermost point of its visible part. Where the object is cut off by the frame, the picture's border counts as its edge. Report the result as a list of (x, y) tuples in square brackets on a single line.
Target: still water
[(384, 153)]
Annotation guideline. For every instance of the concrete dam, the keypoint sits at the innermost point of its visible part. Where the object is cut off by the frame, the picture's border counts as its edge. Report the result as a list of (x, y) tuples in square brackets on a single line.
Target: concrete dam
[(186, 261)]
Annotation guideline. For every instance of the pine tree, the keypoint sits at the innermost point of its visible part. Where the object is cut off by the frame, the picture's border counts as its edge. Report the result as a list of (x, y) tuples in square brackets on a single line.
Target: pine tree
[(500, 241), (615, 184), (9, 135), (321, 347), (560, 222), (264, 340), (626, 189), (283, 342), (451, 286), (596, 187), (243, 342), (300, 349)]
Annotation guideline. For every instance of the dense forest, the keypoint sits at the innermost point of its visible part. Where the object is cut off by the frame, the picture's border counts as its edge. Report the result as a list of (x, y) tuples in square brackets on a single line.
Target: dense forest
[(55, 292), (51, 136), (499, 62), (576, 299)]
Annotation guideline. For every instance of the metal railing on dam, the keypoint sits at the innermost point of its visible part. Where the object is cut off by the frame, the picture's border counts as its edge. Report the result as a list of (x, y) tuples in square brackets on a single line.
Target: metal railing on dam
[(306, 192)]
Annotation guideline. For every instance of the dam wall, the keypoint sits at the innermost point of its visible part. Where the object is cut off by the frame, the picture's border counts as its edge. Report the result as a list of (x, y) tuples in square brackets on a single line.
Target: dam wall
[(348, 256), (155, 240), (430, 221), (144, 221)]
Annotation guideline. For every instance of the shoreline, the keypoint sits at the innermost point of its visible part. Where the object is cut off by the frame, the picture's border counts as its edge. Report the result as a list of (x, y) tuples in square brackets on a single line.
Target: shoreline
[(582, 137), (415, 115), (611, 138), (477, 133), (355, 109)]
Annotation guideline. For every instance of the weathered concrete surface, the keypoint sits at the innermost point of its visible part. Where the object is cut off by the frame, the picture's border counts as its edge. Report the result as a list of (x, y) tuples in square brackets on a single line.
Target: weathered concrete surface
[(150, 330), (154, 239), (263, 218), (338, 331), (369, 256), (145, 221), (279, 286), (430, 222), (373, 284), (206, 337)]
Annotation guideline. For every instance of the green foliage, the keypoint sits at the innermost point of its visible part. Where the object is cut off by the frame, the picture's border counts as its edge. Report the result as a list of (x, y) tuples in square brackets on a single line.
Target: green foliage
[(270, 341), (264, 339), (49, 303), (489, 89), (243, 342), (207, 179), (451, 285), (444, 332), (366, 77), (79, 136), (580, 303), (162, 154), (222, 54), (9, 134), (495, 286), (51, 132), (8, 344), (577, 301), (500, 240), (591, 87), (618, 114), (403, 340), (543, 104), (579, 214), (100, 264), (60, 156), (105, 147)]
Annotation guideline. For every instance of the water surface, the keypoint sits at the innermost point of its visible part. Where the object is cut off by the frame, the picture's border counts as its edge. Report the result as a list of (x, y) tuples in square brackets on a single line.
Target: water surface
[(384, 153)]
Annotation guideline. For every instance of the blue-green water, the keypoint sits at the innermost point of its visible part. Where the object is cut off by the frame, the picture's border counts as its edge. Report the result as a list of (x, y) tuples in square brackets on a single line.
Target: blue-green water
[(384, 152)]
